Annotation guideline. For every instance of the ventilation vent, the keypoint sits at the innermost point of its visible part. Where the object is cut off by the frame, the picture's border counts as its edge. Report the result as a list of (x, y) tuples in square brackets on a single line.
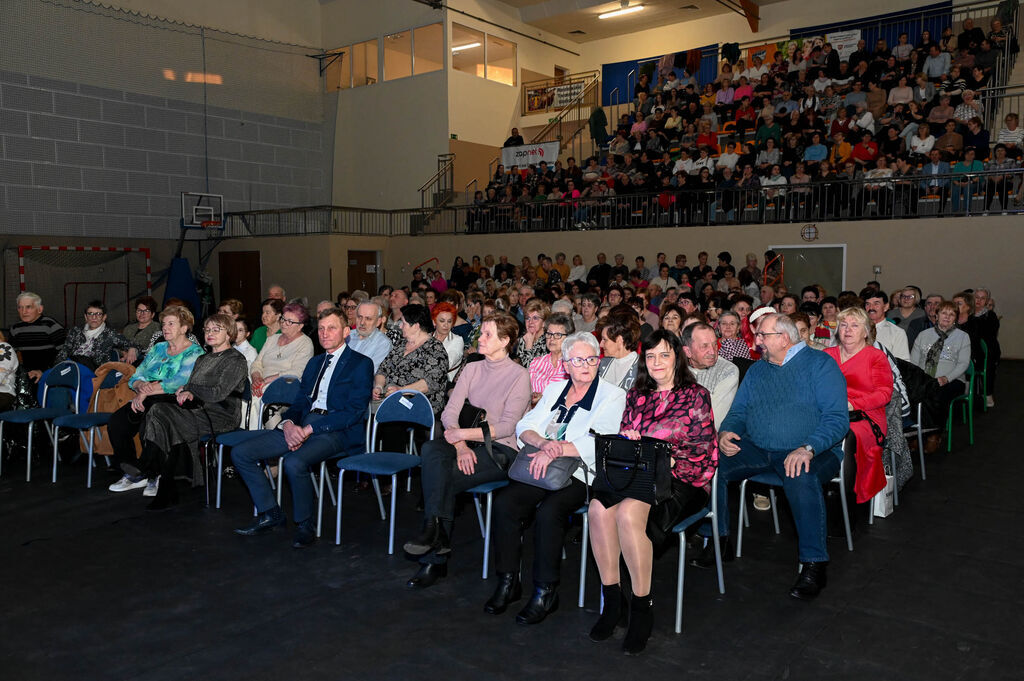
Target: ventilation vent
[(689, 7), (577, 32)]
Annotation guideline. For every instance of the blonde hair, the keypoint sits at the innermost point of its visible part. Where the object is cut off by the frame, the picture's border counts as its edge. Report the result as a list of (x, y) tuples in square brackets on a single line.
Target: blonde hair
[(861, 316)]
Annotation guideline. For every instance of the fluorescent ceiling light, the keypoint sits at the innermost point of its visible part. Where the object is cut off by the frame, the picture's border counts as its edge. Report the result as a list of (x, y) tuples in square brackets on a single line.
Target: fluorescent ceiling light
[(467, 46), (620, 12)]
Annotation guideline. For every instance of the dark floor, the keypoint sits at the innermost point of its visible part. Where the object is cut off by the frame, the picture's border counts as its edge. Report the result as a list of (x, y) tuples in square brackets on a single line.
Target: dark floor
[(96, 588)]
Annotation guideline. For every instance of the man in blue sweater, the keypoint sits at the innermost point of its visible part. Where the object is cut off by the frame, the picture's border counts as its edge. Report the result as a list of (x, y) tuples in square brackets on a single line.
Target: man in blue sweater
[(789, 417)]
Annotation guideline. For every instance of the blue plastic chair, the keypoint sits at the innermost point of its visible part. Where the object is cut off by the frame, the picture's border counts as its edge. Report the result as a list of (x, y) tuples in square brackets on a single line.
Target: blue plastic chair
[(63, 378), (773, 481), (407, 406), (90, 422), (283, 391), (487, 489), (710, 512)]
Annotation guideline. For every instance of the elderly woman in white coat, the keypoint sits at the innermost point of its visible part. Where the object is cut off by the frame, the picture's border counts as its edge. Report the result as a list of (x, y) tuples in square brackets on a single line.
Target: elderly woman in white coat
[(559, 426)]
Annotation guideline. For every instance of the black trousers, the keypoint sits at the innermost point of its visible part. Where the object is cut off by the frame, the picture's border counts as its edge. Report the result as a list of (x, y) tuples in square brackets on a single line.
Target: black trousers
[(123, 427), (515, 507), (442, 480)]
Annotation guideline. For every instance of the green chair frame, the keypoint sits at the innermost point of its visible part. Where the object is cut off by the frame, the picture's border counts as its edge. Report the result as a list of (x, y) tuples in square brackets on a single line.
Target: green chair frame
[(966, 402)]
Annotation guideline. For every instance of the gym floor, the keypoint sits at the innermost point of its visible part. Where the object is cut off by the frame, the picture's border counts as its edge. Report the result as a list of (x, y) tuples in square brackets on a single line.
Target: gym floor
[(95, 587)]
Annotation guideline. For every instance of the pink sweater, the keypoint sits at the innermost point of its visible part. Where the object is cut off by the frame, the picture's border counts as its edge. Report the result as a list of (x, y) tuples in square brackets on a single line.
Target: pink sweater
[(501, 388)]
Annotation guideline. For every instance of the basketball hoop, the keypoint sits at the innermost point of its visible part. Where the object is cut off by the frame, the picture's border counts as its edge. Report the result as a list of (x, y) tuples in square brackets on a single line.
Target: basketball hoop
[(210, 224)]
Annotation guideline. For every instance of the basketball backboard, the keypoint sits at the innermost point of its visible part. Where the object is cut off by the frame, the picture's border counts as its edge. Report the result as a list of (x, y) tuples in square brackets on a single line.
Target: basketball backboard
[(202, 211)]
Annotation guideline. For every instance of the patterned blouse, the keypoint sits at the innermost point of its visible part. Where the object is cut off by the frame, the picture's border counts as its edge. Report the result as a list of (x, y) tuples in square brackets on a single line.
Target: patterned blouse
[(525, 355), (733, 347), (8, 368), (684, 418), (100, 349), (172, 371), (428, 362), (542, 372)]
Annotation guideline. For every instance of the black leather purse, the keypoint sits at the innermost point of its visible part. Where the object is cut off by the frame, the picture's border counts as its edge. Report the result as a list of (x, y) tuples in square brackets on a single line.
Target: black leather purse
[(476, 417), (637, 469)]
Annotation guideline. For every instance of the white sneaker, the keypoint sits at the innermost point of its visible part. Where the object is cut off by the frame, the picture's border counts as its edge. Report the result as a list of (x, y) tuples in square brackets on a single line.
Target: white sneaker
[(762, 503), (126, 483), (989, 401), (152, 487)]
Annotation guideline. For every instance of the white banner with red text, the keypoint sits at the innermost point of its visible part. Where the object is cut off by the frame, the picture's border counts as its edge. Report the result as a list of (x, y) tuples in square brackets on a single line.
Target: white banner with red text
[(530, 154)]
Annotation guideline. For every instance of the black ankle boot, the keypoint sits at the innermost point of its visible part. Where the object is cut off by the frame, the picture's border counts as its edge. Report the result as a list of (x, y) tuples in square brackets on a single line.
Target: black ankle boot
[(427, 575), (614, 615), (432, 538), (542, 603), (509, 590), (813, 578), (641, 621)]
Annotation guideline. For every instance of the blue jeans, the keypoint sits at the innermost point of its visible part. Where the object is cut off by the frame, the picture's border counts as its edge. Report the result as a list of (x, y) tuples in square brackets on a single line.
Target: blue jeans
[(271, 445), (803, 493)]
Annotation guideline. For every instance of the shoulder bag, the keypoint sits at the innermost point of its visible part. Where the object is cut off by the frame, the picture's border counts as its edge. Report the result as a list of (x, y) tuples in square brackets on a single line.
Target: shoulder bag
[(637, 469), (558, 475)]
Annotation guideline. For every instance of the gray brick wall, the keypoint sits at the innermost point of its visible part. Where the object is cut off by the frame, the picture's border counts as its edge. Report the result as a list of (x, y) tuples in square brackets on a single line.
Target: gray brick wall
[(78, 160)]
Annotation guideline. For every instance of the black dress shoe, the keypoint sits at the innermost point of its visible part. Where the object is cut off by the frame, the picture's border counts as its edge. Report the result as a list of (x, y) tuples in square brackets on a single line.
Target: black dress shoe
[(305, 535), (706, 558), (542, 603), (427, 575), (509, 590), (265, 522), (433, 538), (813, 578), (615, 614)]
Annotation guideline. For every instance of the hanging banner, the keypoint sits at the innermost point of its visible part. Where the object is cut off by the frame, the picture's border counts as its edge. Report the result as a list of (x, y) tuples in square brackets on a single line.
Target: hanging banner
[(552, 96), (766, 52), (529, 154), (844, 42)]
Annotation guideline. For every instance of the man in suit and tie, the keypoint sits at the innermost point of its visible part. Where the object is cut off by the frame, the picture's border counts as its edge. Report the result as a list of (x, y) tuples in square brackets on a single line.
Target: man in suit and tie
[(326, 420)]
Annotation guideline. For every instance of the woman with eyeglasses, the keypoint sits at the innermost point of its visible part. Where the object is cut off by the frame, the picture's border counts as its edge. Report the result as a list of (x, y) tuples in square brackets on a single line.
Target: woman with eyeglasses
[(548, 368), (284, 354), (559, 426), (207, 404), (666, 403), (94, 343), (532, 344), (141, 332)]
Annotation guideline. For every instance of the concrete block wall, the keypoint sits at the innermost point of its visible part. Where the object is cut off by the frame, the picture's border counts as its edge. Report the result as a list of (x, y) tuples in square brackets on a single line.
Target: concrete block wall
[(79, 160)]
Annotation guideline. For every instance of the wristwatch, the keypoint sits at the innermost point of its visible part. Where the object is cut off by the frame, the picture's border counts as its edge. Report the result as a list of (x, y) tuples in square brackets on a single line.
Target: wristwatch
[(810, 449)]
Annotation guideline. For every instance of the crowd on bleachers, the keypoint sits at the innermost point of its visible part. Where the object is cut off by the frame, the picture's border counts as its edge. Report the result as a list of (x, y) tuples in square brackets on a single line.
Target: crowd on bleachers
[(734, 370), (884, 131)]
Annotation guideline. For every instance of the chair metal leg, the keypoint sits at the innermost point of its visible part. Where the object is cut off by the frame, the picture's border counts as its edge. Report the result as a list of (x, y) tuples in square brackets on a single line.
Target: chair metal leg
[(743, 516), (92, 442), (846, 514), (680, 576), (871, 512), (380, 498), (718, 553), (53, 477), (583, 559), (280, 477), (479, 515), (220, 473), (320, 498), (775, 509), (391, 535), (895, 487), (487, 534), (28, 457), (920, 440), (337, 519), (1, 447)]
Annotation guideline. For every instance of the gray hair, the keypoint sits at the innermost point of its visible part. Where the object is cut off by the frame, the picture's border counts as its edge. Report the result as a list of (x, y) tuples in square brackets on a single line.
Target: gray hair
[(374, 304), (561, 306), (359, 295), (561, 319), (580, 337), (327, 302), (977, 289), (730, 313), (785, 325), (28, 295)]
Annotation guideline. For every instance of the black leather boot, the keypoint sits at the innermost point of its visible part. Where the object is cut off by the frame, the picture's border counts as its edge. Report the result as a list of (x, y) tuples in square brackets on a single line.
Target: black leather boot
[(641, 621), (706, 558), (305, 534), (427, 575), (615, 613), (167, 493), (432, 538), (542, 603), (813, 578), (509, 590)]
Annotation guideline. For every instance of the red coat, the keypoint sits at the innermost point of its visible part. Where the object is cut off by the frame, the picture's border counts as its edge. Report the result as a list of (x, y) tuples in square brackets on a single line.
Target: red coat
[(869, 389)]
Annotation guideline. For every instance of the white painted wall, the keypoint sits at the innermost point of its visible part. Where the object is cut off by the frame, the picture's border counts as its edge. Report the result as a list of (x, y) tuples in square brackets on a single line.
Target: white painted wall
[(345, 22), (292, 21)]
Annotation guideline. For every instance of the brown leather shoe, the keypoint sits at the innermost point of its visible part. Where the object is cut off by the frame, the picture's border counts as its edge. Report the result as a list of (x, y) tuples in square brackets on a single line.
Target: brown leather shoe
[(932, 443)]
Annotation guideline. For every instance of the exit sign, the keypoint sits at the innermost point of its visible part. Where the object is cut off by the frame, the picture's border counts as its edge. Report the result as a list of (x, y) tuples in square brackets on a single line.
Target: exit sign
[(454, 136)]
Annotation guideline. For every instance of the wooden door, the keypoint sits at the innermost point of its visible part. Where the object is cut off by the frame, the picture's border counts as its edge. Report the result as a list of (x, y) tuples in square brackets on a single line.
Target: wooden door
[(241, 278), (362, 271)]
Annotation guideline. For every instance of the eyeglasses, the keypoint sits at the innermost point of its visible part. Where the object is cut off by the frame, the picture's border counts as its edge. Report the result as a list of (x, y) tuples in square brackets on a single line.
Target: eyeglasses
[(289, 322), (143, 310), (580, 361), (214, 329), (351, 306), (762, 334), (94, 315), (534, 318), (556, 335)]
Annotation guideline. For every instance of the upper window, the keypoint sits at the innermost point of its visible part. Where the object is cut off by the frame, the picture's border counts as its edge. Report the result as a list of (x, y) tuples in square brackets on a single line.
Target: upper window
[(398, 55), (468, 50), (364, 63), (501, 60), (428, 49)]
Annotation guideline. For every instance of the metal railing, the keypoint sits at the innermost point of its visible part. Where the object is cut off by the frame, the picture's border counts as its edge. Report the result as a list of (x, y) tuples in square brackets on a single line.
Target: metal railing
[(918, 195), (549, 94), (567, 128), (998, 102), (440, 188)]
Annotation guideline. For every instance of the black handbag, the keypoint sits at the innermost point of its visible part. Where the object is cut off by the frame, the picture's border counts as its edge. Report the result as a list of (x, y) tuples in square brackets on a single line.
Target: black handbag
[(558, 475), (476, 417), (637, 469)]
